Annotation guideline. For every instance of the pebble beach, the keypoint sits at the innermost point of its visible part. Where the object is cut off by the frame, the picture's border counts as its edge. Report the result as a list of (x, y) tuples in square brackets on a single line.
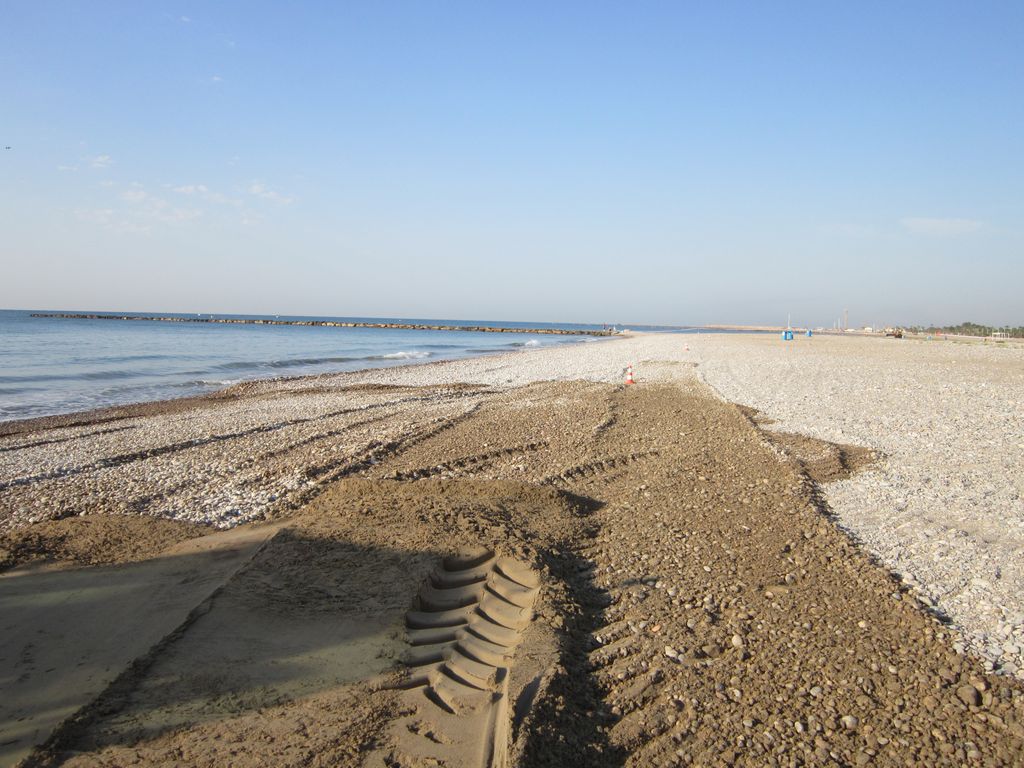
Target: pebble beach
[(744, 540), (945, 506)]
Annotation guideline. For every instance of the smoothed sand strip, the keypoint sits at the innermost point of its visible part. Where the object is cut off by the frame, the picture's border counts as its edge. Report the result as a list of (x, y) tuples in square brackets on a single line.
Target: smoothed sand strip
[(67, 633)]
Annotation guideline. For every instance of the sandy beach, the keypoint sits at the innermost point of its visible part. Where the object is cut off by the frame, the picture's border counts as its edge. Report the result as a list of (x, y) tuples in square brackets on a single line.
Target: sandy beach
[(763, 553)]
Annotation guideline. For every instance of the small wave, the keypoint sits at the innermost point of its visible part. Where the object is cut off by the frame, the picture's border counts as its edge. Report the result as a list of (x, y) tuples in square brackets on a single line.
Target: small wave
[(242, 365), (308, 361), (532, 343), (107, 375), (88, 376), (206, 383), (156, 389), (124, 358), (414, 355)]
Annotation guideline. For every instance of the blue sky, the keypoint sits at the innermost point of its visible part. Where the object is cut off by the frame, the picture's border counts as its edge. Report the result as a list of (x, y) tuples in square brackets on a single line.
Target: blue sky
[(659, 162)]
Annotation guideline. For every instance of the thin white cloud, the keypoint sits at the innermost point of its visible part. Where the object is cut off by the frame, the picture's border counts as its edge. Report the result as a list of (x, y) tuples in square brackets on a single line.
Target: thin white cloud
[(150, 207), (216, 79), (177, 215), (137, 208), (135, 195), (112, 220), (94, 161), (95, 215), (262, 191), (138, 211), (939, 227), (203, 192), (191, 189), (185, 20)]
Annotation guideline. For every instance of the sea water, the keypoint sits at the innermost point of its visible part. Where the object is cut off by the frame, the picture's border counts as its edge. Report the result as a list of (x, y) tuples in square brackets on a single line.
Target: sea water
[(55, 365)]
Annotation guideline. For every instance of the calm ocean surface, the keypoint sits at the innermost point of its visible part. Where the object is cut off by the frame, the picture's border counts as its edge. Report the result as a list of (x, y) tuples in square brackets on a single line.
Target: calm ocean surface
[(50, 366)]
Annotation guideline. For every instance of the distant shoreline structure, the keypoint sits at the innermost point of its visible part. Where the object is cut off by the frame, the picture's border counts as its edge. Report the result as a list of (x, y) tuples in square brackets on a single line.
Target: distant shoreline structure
[(758, 328), (325, 324)]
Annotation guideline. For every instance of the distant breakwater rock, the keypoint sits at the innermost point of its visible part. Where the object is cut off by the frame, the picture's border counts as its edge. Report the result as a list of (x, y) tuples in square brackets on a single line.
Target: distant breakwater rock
[(327, 324)]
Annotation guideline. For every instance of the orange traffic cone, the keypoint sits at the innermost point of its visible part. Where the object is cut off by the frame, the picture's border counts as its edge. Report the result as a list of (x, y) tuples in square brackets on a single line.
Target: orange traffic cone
[(629, 374)]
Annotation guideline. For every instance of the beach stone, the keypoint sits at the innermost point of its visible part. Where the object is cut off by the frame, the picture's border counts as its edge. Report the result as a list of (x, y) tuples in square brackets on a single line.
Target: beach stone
[(969, 695)]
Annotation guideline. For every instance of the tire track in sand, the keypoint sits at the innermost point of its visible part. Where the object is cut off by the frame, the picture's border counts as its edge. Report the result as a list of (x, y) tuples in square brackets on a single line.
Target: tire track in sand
[(470, 616)]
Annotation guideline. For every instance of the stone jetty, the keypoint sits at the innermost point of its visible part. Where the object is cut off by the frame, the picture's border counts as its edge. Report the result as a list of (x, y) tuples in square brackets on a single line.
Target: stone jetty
[(325, 323)]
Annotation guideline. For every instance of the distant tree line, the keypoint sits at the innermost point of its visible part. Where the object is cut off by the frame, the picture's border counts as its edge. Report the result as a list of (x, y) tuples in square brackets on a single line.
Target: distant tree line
[(972, 329)]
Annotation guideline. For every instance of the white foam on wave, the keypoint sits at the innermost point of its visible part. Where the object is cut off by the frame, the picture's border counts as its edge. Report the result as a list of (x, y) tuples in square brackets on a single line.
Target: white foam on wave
[(198, 383), (414, 355), (532, 343)]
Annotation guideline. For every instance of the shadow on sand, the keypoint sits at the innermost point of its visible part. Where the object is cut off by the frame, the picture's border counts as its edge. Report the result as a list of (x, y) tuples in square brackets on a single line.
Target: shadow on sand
[(121, 656), (93, 657)]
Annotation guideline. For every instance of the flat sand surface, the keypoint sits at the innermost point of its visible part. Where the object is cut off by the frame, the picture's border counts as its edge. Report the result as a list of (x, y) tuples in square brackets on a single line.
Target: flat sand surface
[(697, 604), (67, 633)]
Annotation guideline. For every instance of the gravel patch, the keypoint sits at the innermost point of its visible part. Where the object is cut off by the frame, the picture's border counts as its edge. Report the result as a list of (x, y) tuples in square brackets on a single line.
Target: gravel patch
[(944, 508), (694, 608), (262, 448)]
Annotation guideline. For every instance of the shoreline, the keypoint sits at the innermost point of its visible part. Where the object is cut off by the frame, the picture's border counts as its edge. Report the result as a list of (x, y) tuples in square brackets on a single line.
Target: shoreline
[(172, 404), (147, 407)]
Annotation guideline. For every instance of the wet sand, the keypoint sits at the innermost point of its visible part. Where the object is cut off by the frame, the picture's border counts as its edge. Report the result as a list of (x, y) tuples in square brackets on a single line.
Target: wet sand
[(697, 605)]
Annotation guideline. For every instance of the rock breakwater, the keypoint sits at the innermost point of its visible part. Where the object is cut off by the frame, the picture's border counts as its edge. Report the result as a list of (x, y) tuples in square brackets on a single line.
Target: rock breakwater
[(325, 324)]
